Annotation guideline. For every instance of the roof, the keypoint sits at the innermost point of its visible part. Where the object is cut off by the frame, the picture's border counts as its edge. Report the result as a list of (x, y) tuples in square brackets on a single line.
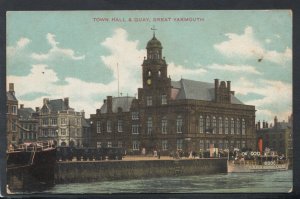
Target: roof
[(86, 122), (122, 102), (25, 113), (191, 89), (10, 96), (154, 43), (56, 105)]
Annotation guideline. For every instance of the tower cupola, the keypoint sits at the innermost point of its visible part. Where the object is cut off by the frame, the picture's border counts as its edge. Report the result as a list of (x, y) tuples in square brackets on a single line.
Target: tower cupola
[(154, 49)]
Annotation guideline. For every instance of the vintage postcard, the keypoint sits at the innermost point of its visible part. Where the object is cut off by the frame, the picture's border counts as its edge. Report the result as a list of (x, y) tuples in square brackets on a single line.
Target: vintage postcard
[(160, 101)]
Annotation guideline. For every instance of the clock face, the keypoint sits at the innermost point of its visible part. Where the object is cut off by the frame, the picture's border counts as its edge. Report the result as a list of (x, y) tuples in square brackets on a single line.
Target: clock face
[(149, 81)]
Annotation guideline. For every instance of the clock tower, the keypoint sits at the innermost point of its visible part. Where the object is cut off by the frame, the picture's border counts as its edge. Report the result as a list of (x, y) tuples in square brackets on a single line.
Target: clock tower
[(156, 84)]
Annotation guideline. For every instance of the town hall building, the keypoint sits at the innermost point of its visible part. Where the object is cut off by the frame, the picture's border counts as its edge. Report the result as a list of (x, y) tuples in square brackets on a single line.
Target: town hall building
[(174, 115)]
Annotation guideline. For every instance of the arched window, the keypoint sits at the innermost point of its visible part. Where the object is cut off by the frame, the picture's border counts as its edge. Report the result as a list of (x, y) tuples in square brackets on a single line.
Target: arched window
[(226, 125), (243, 126), (220, 125), (164, 123), (201, 124), (231, 126), (149, 73), (149, 125), (238, 126), (179, 123), (207, 124), (214, 125), (159, 73)]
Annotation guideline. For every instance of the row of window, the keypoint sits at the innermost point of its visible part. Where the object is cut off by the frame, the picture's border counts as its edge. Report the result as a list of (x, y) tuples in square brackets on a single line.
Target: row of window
[(53, 121), (150, 103), (30, 127), (205, 125), (220, 125), (221, 144), (28, 136)]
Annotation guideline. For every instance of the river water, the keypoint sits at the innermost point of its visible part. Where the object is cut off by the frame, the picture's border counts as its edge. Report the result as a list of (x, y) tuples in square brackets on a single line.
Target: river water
[(264, 182)]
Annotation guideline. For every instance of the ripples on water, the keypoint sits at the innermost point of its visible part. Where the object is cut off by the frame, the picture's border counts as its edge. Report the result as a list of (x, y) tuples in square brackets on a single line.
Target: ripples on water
[(280, 182)]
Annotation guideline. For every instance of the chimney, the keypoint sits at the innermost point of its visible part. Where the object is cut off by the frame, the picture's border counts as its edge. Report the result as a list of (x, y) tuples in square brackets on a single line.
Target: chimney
[(37, 109), (11, 88), (228, 85), (258, 124), (216, 89), (45, 101), (66, 101), (264, 124), (21, 106), (83, 114), (267, 125), (275, 121), (109, 104)]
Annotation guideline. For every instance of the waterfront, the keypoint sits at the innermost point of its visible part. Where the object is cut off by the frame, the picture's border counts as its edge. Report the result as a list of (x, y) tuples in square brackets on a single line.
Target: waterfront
[(266, 182)]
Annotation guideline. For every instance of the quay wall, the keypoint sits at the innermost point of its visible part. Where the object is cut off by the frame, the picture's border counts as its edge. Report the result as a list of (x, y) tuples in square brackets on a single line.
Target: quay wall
[(92, 171)]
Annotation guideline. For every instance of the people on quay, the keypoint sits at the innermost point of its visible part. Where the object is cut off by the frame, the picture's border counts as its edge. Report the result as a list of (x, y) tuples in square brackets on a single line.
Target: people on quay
[(158, 154)]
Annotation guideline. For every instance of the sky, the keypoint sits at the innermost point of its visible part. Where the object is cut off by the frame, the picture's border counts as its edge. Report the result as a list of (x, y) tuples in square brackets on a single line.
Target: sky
[(77, 54)]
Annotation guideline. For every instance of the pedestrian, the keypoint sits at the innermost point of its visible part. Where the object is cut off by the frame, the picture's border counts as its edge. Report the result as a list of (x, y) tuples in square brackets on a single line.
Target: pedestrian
[(158, 154)]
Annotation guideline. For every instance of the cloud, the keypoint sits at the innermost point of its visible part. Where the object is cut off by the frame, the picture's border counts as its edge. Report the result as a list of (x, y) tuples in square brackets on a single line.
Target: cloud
[(21, 44), (179, 71), (55, 51), (276, 96), (125, 56), (235, 68), (247, 46)]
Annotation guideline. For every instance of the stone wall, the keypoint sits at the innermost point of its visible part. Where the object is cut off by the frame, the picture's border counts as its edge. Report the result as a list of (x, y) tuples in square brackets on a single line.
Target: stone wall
[(91, 171)]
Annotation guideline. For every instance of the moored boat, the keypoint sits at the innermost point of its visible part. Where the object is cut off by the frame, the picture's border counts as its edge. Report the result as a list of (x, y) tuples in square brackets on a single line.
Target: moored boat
[(255, 162), (30, 166)]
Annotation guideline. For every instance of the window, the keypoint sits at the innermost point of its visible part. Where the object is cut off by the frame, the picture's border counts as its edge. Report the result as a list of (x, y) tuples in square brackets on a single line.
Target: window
[(232, 143), (44, 133), (207, 143), (232, 126), (201, 124), (159, 73), (179, 144), (108, 126), (45, 121), (14, 125), (51, 132), (164, 123), (164, 99), (135, 145), (120, 126), (214, 125), (243, 144), (149, 100), (135, 129), (109, 144), (164, 144), (226, 144), (120, 144), (179, 123), (238, 144), (135, 115), (238, 126), (7, 108), (98, 126), (53, 121), (99, 145), (201, 144), (207, 124), (149, 73), (149, 125), (220, 125), (221, 144), (63, 120), (226, 126), (243, 127), (63, 131), (14, 109)]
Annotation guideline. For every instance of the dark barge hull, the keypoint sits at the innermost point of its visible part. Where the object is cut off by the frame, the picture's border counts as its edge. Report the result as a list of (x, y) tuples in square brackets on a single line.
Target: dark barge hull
[(30, 171)]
